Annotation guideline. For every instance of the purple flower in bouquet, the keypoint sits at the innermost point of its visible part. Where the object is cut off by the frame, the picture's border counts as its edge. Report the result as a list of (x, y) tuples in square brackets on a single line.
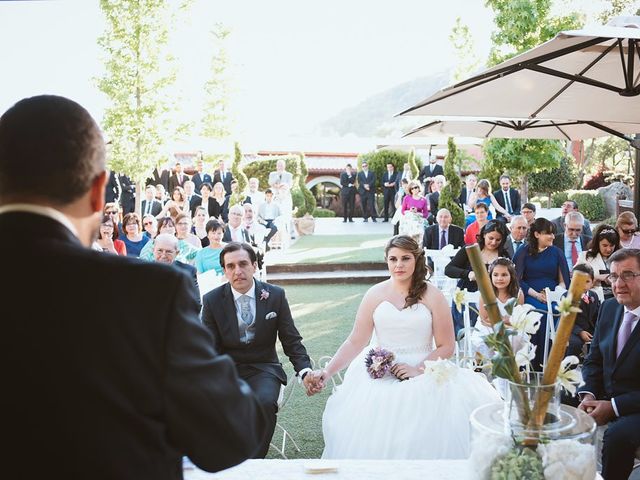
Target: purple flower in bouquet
[(378, 362)]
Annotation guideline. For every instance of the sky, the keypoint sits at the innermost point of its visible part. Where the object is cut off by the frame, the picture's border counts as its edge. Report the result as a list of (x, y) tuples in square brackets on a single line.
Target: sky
[(295, 63)]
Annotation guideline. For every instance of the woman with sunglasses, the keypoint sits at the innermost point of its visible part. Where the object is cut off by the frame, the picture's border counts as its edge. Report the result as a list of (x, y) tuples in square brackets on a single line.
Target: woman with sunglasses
[(415, 210), (107, 240), (627, 227), (150, 226), (133, 238), (112, 209), (605, 241)]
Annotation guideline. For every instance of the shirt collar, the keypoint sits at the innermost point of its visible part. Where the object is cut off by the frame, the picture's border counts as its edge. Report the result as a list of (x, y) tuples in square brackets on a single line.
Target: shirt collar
[(635, 311), (250, 293), (52, 213)]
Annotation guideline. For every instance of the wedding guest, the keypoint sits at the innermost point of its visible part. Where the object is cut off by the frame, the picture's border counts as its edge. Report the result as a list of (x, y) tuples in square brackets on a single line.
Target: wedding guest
[(113, 347), (572, 242), (605, 241), (220, 203), (267, 214), (160, 175), (348, 193), (257, 232), (529, 212), (389, 188), (437, 185), (483, 194), (611, 392), (113, 210), (518, 228), (491, 241), (107, 240), (208, 258), (223, 176), (176, 205), (178, 178), (508, 198), (190, 192), (585, 324), (443, 233), (465, 193), (281, 183), (200, 220), (150, 206), (402, 192), (429, 172), (568, 207), (112, 191), (150, 226), (234, 231), (254, 195), (183, 231), (187, 253), (233, 311), (133, 239), (627, 227), (415, 202), (161, 194), (127, 196), (540, 265), (367, 192), (200, 176), (481, 218)]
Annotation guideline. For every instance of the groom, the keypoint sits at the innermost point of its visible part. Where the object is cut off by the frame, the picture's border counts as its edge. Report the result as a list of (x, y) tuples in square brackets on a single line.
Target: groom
[(611, 393), (245, 316)]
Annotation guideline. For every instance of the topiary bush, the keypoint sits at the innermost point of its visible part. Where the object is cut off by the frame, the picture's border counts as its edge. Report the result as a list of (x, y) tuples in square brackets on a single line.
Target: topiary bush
[(591, 204), (309, 199), (451, 191), (323, 213), (558, 198)]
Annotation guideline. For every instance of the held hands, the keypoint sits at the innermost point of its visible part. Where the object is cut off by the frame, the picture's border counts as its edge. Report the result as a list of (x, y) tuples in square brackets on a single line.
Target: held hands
[(403, 371), (315, 381), (600, 410)]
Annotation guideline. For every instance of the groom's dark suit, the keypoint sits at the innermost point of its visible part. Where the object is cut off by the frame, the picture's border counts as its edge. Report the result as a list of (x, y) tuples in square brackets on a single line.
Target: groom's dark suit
[(257, 361), (608, 377), (107, 371)]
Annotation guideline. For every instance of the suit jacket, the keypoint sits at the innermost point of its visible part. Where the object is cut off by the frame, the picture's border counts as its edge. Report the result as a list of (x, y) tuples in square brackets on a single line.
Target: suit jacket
[(112, 190), (213, 208), (192, 272), (226, 237), (199, 178), (127, 390), (514, 199), (386, 178), (345, 180), (219, 315), (434, 202), (217, 177), (509, 246), (558, 241), (156, 207), (159, 177), (369, 179), (174, 182), (128, 195), (426, 173), (431, 239), (559, 223), (605, 375)]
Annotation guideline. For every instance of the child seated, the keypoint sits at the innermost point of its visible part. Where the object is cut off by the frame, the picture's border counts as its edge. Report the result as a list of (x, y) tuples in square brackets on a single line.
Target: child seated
[(585, 320)]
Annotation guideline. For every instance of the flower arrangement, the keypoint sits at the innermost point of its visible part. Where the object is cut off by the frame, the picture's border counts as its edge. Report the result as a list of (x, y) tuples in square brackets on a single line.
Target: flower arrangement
[(378, 362)]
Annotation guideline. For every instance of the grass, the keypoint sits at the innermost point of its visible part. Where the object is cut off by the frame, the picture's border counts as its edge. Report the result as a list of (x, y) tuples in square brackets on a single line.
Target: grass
[(334, 249), (324, 315)]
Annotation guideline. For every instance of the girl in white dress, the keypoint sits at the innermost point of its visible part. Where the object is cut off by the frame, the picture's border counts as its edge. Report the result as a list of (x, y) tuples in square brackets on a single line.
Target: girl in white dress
[(418, 410)]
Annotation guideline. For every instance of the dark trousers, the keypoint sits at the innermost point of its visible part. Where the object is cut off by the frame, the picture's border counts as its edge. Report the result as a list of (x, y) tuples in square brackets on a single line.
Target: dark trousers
[(389, 196), (621, 440), (348, 203), (458, 317), (267, 388), (368, 203), (272, 231)]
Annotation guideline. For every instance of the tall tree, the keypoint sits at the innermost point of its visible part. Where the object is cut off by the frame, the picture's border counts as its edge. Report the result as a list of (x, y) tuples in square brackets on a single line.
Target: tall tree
[(136, 81)]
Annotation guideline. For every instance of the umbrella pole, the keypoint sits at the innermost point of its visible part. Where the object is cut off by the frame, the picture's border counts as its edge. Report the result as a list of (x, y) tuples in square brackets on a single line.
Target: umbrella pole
[(636, 179)]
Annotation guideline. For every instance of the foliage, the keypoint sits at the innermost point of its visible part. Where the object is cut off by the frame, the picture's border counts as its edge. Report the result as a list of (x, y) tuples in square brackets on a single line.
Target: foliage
[(378, 162), (558, 198), (136, 82), (309, 199), (590, 203), (262, 166), (619, 7), (216, 121), (415, 170), (463, 46), (518, 463), (451, 191), (597, 179), (520, 158), (323, 213), (557, 179), (239, 175)]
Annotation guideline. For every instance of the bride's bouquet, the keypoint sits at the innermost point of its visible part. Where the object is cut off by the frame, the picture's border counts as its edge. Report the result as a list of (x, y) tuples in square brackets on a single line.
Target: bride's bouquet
[(378, 362)]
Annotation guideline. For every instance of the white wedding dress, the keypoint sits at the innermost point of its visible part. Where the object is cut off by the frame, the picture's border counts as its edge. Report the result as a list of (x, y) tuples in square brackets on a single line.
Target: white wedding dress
[(425, 417)]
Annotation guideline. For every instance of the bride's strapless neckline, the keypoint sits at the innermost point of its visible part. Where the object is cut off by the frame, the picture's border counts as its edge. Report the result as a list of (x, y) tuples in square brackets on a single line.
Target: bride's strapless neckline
[(400, 309)]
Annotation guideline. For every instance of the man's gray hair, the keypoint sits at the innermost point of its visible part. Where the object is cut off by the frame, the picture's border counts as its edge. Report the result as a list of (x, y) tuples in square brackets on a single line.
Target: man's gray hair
[(574, 217), (168, 238), (237, 209)]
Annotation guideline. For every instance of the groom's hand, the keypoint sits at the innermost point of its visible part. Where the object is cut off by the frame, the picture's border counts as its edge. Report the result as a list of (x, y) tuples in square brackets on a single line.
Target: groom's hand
[(314, 382)]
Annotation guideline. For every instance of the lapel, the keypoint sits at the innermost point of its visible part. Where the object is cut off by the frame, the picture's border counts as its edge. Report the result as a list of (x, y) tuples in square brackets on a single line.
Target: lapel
[(230, 326)]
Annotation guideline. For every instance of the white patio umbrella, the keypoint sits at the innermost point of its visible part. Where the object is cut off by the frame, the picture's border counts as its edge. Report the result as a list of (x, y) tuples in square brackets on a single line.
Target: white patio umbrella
[(523, 128)]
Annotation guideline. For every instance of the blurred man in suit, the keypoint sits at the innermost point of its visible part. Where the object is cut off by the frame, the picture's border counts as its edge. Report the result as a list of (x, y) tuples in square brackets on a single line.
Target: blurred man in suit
[(429, 172), (160, 175), (190, 194), (245, 316), (611, 392), (348, 192), (112, 191), (568, 207), (223, 176), (508, 198), (389, 188), (234, 231), (177, 179), (150, 206), (441, 234), (518, 236), (572, 242), (200, 176), (470, 183), (117, 378), (128, 194), (529, 213), (367, 192)]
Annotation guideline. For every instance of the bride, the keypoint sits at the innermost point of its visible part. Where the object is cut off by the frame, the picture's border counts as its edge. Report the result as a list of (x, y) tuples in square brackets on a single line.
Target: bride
[(418, 410)]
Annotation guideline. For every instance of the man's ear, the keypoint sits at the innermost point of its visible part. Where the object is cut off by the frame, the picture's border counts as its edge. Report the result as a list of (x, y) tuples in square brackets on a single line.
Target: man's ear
[(97, 191)]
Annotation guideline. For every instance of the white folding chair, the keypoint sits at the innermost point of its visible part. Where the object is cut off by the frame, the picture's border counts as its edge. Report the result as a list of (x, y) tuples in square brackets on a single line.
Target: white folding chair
[(209, 280), (283, 398), (550, 334), (467, 346)]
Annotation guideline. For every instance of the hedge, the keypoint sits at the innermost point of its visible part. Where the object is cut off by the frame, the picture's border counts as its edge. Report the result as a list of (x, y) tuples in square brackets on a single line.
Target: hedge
[(591, 204), (323, 213)]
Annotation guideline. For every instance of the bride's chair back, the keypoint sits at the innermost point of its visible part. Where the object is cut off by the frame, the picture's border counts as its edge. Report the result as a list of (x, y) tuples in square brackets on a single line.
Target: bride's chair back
[(337, 378), (553, 297), (466, 356)]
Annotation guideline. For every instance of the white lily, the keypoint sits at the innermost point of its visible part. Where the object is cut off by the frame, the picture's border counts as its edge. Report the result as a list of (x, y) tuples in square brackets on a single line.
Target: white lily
[(525, 354), (524, 320), (458, 298), (565, 307), (568, 376)]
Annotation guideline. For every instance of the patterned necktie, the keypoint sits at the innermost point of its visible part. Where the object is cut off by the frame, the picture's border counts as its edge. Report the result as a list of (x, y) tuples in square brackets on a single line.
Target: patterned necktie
[(574, 253), (443, 239), (625, 331), (517, 245), (245, 309), (507, 201)]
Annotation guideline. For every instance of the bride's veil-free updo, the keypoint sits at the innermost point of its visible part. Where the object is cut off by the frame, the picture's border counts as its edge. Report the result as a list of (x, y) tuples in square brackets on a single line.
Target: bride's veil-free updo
[(420, 275)]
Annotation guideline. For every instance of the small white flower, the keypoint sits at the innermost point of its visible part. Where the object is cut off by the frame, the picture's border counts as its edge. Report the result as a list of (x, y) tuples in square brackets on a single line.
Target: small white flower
[(524, 320), (440, 370), (526, 353), (458, 298), (568, 459), (568, 376), (565, 306)]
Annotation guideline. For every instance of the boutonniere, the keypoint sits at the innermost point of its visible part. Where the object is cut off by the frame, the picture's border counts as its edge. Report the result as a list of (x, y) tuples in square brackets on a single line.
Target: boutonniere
[(264, 294), (585, 298)]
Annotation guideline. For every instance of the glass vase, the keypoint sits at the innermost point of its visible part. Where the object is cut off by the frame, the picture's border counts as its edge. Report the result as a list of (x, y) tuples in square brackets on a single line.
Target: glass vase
[(505, 443)]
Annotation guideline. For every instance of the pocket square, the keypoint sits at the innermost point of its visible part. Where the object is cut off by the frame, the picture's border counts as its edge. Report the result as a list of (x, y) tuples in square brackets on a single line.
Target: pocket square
[(270, 315)]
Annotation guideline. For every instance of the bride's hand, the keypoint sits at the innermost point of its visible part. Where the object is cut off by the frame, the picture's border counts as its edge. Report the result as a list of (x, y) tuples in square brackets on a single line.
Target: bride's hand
[(314, 381), (403, 371)]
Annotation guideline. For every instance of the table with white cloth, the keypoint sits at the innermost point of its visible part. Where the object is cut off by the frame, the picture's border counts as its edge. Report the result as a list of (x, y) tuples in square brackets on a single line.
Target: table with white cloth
[(344, 470)]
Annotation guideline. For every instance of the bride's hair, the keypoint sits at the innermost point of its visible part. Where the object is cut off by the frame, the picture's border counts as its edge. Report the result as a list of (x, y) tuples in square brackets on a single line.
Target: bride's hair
[(421, 272)]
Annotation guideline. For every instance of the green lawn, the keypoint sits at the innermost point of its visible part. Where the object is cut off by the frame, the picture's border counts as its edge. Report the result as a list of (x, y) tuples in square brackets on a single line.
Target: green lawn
[(335, 249), (324, 314)]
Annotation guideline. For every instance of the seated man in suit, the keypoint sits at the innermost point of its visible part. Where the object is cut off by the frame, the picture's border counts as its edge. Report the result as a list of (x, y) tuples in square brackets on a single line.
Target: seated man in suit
[(443, 233), (234, 231), (150, 206), (470, 183), (572, 241), (518, 236), (128, 386), (508, 198), (268, 211), (245, 316), (611, 371)]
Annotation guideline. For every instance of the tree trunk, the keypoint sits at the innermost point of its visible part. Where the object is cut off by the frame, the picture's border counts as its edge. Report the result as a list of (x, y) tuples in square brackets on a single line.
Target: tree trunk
[(525, 189)]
